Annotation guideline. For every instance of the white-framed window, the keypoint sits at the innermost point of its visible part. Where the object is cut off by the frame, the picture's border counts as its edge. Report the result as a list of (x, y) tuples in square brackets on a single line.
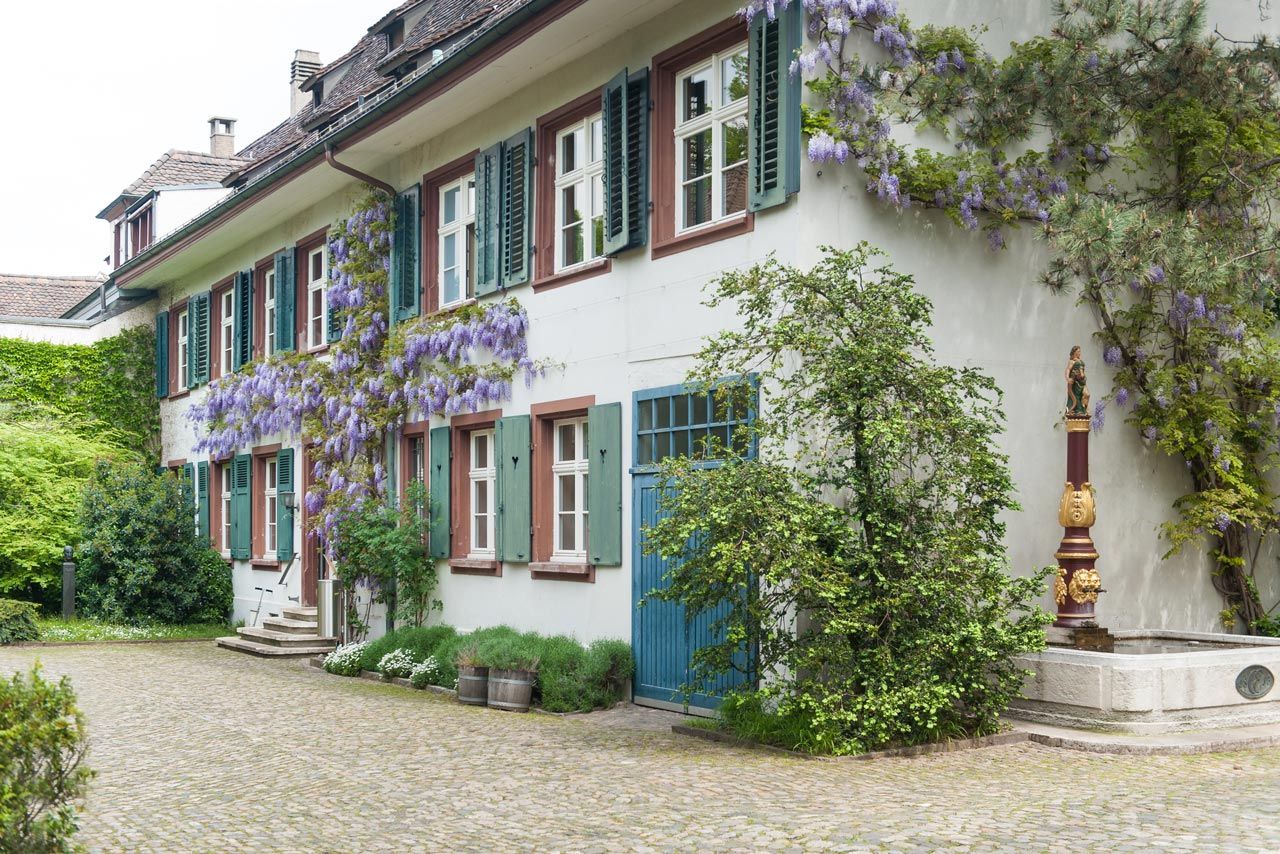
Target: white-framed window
[(225, 502), (482, 476), (580, 193), (226, 329), (184, 333), (317, 305), (569, 482), (457, 240), (711, 139), (269, 509), (269, 309)]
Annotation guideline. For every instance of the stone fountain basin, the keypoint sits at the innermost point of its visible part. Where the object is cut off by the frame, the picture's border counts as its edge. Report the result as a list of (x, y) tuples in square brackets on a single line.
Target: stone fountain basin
[(1154, 682)]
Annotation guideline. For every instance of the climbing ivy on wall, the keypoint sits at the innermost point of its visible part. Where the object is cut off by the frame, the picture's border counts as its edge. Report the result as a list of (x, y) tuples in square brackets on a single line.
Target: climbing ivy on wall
[(103, 390)]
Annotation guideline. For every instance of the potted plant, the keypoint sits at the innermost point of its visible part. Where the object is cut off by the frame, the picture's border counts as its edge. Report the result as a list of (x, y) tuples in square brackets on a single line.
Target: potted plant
[(473, 677), (513, 668)]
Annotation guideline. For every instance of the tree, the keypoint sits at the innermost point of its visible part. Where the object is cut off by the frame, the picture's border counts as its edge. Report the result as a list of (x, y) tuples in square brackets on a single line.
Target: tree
[(141, 560), (861, 557), (42, 772), (1147, 152)]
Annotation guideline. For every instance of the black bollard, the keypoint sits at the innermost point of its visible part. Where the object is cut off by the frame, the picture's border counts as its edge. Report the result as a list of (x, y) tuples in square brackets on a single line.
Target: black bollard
[(68, 584)]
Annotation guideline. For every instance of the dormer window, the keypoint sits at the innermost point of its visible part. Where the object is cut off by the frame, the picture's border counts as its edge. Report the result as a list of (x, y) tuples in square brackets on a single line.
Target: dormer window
[(317, 94), (394, 34)]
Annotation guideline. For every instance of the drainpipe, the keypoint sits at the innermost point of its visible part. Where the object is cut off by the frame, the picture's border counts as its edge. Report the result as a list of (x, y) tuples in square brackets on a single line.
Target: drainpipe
[(356, 173)]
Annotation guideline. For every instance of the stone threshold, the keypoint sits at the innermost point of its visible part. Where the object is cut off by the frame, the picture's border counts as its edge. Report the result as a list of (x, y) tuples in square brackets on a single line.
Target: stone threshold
[(1225, 740), (997, 740)]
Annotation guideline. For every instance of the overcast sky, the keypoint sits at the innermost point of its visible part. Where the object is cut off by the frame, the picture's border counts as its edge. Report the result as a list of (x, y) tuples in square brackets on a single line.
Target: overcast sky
[(95, 91)]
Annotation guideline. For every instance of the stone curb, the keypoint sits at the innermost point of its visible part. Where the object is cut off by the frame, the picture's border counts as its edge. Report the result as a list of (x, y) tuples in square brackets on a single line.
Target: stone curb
[(112, 641), (1210, 745), (998, 740)]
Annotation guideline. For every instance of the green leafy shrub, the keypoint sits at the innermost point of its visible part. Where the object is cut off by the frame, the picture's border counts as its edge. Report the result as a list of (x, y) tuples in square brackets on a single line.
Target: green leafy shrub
[(18, 621), (141, 561), (511, 652), (44, 466), (419, 641), (397, 664), (425, 672), (577, 679), (42, 775), (861, 556), (449, 651), (345, 660)]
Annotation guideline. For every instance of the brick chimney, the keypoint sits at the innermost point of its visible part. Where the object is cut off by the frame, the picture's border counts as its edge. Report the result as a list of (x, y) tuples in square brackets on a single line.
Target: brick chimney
[(222, 136), (305, 63)]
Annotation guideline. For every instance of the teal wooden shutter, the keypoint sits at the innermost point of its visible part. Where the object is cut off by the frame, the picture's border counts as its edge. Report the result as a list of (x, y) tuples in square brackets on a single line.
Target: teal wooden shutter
[(284, 514), (202, 502), (512, 439), (162, 354), (242, 323), (406, 255), (188, 479), (198, 340), (488, 217), (517, 208), (439, 481), (286, 301), (241, 504), (625, 110), (604, 478), (774, 170)]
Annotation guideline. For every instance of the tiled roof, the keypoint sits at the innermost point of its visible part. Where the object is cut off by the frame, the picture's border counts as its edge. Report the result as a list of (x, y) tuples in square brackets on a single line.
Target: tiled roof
[(443, 20), (43, 296), (177, 168)]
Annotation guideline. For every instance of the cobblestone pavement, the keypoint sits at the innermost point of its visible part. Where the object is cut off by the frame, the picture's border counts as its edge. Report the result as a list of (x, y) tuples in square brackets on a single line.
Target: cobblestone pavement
[(200, 749)]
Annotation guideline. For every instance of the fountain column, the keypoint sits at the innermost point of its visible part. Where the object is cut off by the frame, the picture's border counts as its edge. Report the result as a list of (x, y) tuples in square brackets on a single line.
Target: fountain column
[(1078, 584)]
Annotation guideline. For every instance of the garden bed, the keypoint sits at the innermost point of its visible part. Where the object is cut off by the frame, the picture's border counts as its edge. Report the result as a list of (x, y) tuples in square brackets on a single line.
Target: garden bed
[(58, 632)]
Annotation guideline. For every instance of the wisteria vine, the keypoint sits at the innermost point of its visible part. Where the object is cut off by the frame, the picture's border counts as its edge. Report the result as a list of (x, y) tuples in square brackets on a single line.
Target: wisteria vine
[(377, 377)]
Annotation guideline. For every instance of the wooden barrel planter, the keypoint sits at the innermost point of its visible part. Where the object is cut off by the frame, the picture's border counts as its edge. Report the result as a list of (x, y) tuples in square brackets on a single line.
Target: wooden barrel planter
[(511, 690), (473, 685)]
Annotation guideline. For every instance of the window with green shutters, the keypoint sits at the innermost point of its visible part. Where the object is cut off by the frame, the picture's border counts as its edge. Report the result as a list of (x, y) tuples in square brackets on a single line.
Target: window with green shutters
[(284, 498), (198, 310), (242, 330), (625, 109), (604, 474), (406, 255), (504, 213), (439, 482), (202, 501), (162, 354), (241, 506), (774, 108), (286, 306), (512, 446)]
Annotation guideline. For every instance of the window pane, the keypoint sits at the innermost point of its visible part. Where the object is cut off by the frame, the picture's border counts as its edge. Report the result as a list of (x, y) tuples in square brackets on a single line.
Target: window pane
[(317, 266), (597, 140), (697, 93), (571, 244), (482, 532), (644, 414), (471, 197), (571, 204), (697, 202), (733, 76), (480, 452), (735, 189), (585, 440), (567, 543), (644, 450), (449, 250), (662, 418), (451, 290), (567, 493), (735, 140), (697, 155), (450, 205), (680, 411), (567, 450), (680, 444), (482, 497), (571, 150)]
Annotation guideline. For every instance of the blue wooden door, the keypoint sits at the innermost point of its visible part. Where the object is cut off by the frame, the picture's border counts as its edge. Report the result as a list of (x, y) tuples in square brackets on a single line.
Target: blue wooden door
[(671, 421)]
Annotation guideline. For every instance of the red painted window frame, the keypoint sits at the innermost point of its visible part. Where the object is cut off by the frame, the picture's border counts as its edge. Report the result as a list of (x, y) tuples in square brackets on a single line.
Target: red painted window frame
[(544, 416), (460, 429), (431, 184)]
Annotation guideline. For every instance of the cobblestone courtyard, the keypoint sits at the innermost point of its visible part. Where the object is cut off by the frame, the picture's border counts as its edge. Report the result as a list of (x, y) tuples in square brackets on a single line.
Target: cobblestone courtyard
[(199, 750)]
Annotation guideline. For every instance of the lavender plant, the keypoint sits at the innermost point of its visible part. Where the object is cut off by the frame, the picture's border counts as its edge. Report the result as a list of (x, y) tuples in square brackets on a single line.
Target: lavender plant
[(1146, 151)]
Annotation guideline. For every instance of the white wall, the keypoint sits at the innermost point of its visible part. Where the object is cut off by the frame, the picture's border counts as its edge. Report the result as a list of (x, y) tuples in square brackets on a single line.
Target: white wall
[(56, 331), (637, 327)]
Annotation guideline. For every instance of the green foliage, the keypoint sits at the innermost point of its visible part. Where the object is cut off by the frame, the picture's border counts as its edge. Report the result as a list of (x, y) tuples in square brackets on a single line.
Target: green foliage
[(862, 556), (105, 390), (385, 547), (141, 561), (58, 629), (44, 465), (511, 652), (42, 775), (1267, 625), (419, 641), (18, 621)]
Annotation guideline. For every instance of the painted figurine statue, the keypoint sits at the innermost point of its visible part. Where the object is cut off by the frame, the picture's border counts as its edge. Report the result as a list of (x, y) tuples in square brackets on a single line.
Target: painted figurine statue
[(1077, 386)]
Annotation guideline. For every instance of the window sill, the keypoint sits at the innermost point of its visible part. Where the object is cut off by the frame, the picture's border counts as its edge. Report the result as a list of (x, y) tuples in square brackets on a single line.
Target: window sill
[(179, 395), (704, 234), (452, 307), (316, 351), (475, 566), (562, 571), (573, 274), (265, 563)]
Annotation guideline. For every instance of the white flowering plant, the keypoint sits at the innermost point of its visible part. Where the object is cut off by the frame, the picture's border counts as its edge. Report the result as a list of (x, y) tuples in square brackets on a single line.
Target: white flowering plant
[(345, 660), (425, 673), (397, 664)]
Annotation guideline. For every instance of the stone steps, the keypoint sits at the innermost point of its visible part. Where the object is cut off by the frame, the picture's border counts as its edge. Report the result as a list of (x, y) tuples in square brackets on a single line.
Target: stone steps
[(295, 634)]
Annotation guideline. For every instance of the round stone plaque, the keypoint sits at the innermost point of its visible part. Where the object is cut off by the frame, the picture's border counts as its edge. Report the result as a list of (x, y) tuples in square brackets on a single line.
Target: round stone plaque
[(1254, 682)]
